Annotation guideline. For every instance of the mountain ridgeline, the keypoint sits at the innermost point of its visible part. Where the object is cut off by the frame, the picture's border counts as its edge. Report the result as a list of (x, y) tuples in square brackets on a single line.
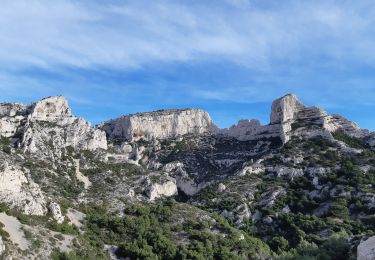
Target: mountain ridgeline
[(170, 184)]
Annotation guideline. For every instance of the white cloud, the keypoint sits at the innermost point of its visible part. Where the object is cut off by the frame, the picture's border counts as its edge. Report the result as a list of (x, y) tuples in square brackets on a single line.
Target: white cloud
[(128, 34)]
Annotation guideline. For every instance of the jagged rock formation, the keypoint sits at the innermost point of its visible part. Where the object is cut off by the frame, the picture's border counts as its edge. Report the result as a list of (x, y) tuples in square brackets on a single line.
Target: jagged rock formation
[(366, 249), (48, 126), (159, 125), (267, 180), (289, 117), (20, 192)]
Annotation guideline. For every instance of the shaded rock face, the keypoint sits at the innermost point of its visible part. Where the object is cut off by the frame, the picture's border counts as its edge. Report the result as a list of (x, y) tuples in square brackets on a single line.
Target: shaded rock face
[(159, 125), (289, 117), (48, 126), (20, 192), (366, 249)]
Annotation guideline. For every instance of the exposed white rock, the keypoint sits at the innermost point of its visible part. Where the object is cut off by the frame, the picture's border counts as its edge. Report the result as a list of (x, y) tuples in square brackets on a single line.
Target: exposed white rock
[(12, 115), (56, 212), (75, 217), (20, 192), (221, 187), (166, 189), (173, 166), (159, 125), (268, 220), (14, 228), (255, 168), (242, 213), (286, 171), (269, 197), (189, 186), (49, 124), (366, 249), (50, 109), (289, 117), (286, 209), (2, 246)]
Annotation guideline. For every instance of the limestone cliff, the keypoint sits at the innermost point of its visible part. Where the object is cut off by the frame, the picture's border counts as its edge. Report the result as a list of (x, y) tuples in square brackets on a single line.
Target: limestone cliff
[(48, 126), (159, 125), (289, 117)]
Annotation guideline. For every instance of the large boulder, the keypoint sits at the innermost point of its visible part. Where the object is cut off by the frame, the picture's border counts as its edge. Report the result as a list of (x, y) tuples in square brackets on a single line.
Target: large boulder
[(164, 188)]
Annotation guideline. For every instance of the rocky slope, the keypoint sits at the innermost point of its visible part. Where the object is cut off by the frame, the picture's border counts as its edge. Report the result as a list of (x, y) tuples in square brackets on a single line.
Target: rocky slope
[(171, 185)]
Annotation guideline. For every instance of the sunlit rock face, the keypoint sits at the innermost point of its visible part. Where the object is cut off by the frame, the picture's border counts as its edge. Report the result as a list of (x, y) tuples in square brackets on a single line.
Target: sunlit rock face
[(18, 191), (12, 116), (48, 126), (159, 125), (289, 117)]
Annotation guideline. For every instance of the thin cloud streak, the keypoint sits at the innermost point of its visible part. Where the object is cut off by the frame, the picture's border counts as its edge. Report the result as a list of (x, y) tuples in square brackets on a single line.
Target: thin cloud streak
[(130, 34)]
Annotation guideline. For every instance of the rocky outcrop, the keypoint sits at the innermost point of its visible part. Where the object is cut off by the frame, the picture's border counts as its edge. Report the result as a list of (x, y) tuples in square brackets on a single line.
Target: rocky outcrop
[(366, 249), (12, 116), (48, 126), (55, 210), (2, 246), (166, 188), (20, 192), (289, 117), (159, 125)]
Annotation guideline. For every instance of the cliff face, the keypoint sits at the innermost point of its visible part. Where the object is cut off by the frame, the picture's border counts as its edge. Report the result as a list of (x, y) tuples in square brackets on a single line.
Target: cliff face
[(289, 117), (159, 125), (48, 126)]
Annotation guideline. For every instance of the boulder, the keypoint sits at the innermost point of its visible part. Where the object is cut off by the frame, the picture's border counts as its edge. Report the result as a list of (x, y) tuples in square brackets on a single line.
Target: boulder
[(165, 189), (55, 210)]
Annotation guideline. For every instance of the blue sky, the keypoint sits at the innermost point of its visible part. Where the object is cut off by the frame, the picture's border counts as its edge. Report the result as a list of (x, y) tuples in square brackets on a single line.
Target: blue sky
[(230, 57)]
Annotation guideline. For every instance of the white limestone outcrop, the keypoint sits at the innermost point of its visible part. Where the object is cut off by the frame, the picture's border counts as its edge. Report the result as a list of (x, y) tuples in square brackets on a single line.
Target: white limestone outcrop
[(48, 126), (159, 125), (366, 249), (289, 117), (2, 246), (55, 210), (167, 188), (20, 192)]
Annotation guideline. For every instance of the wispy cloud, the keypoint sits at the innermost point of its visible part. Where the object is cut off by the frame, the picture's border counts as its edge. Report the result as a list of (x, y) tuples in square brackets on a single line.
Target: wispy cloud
[(123, 34)]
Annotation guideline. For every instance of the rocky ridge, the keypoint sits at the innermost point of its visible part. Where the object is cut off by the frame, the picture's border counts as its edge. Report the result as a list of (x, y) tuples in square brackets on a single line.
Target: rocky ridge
[(48, 126), (289, 117), (306, 177)]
